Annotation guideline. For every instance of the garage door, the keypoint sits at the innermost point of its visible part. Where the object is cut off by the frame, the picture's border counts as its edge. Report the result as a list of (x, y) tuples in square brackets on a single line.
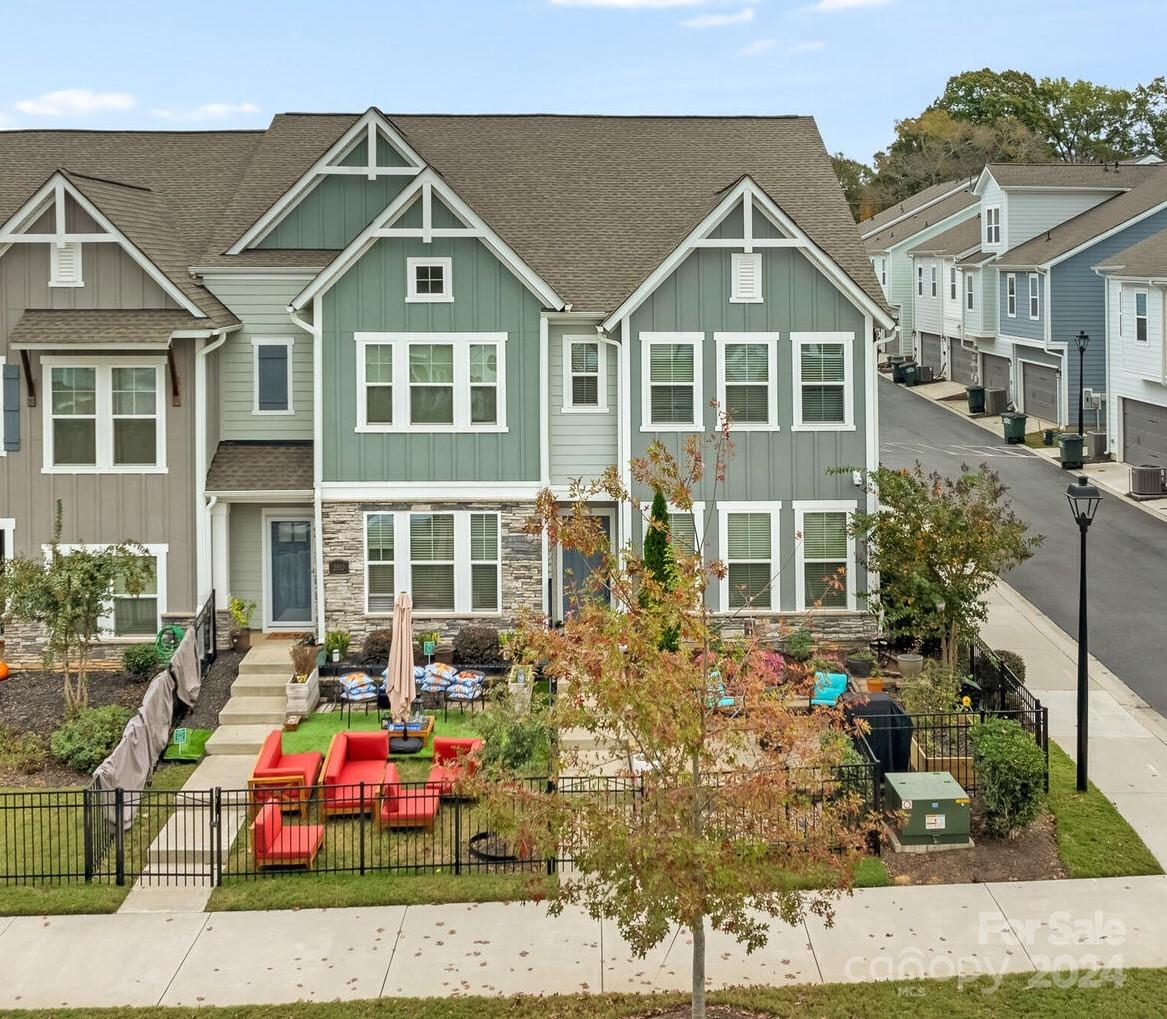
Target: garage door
[(961, 363), (1144, 433), (930, 347), (995, 370), (1039, 388)]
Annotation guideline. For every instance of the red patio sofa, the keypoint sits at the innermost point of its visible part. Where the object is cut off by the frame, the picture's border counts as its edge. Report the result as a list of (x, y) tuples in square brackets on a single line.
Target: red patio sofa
[(287, 778), (353, 758), (453, 759), (406, 806), (276, 844)]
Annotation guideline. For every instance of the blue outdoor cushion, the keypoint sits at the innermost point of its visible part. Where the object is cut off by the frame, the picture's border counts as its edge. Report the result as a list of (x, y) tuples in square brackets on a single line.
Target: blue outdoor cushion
[(828, 687)]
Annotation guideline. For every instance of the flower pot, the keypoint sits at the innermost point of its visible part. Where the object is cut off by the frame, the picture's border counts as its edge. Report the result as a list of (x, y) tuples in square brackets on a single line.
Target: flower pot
[(303, 697), (241, 641), (910, 665), (875, 685), (859, 666)]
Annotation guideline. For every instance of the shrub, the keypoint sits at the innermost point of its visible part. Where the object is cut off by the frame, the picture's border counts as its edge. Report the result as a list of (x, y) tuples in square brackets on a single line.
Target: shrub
[(142, 661), (933, 692), (516, 737), (337, 640), (303, 661), (23, 752), (241, 612), (477, 645), (1014, 662), (87, 738), (375, 649), (799, 644), (1010, 770)]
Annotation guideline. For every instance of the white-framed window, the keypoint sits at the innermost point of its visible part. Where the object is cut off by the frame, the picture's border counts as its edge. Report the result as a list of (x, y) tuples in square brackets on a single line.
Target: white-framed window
[(883, 271), (993, 224), (585, 376), (1141, 316), (485, 575), (1011, 295), (824, 555), (431, 561), (272, 371), (746, 277), (65, 264), (1034, 303), (969, 292), (104, 415), (919, 281), (952, 288), (749, 545), (747, 379), (671, 382), (431, 382), (380, 563), (133, 617), (429, 280), (823, 381), (932, 281)]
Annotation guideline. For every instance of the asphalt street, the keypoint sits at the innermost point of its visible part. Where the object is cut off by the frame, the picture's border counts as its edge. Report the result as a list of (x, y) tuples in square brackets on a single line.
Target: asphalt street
[(1127, 547)]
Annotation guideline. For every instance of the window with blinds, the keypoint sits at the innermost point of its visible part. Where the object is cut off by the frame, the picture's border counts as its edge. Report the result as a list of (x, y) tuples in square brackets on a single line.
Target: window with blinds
[(431, 383), (747, 382), (484, 572), (683, 531), (749, 559), (584, 375), (379, 383), (672, 383), (824, 557), (746, 278), (431, 555), (379, 562), (823, 374), (136, 615)]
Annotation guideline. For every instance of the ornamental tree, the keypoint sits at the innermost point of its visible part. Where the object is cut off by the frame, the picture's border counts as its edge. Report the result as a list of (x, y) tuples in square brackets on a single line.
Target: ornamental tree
[(722, 794), (938, 545)]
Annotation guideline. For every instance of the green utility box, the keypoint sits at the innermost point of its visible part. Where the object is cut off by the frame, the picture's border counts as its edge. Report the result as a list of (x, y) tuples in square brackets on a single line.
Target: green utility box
[(935, 805)]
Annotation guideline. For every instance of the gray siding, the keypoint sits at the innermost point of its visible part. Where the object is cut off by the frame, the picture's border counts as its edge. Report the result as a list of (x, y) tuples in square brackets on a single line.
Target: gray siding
[(262, 307), (582, 444), (1021, 324), (1029, 213), (245, 540)]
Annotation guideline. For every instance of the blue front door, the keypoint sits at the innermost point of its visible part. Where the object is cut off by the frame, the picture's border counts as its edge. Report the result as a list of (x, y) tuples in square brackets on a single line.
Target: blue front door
[(290, 597)]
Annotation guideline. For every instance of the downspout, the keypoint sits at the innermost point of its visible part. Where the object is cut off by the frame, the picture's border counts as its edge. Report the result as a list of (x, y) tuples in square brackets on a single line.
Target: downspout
[(202, 509)]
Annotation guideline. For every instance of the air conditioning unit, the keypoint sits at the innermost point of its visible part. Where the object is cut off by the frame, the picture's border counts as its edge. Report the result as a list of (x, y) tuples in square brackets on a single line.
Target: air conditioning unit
[(996, 401), (925, 374), (1096, 445), (1148, 481)]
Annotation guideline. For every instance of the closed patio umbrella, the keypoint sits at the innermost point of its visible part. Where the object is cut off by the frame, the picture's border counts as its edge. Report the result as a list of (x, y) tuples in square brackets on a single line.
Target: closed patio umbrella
[(399, 684)]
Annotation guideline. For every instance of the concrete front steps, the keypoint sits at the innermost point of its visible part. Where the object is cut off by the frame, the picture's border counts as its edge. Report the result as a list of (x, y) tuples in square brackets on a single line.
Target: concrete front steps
[(267, 711), (258, 700)]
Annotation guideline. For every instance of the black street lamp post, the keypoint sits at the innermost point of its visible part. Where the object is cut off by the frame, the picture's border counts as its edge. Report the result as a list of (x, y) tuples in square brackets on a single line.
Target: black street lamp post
[(1081, 341), (1083, 498)]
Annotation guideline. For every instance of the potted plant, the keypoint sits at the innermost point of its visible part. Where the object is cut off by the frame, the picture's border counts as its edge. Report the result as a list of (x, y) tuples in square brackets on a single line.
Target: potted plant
[(241, 613), (875, 682), (336, 644), (940, 740), (303, 689), (859, 663), (910, 664)]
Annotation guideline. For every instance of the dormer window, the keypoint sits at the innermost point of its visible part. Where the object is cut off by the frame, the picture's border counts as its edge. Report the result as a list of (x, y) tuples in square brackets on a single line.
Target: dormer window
[(429, 280), (993, 225), (65, 265), (746, 270)]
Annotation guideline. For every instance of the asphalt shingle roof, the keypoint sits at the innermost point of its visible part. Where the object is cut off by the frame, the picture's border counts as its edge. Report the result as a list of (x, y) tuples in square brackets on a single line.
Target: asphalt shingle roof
[(906, 229), (99, 327), (1145, 260), (261, 467), (908, 205), (962, 237), (1068, 175)]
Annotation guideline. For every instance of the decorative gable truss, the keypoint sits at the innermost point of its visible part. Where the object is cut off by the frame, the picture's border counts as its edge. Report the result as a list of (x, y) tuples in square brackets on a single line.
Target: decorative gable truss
[(748, 220), (428, 209), (371, 148)]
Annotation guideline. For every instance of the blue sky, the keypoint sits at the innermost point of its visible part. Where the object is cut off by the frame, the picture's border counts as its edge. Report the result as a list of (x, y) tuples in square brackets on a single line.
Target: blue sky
[(856, 65)]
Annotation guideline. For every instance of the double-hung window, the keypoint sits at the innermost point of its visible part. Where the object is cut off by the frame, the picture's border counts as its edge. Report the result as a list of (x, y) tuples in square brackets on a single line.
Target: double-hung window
[(103, 415), (993, 225), (483, 383), (380, 579), (825, 559), (952, 282), (584, 387), (968, 291), (1141, 316), (132, 616), (749, 546), (932, 281), (1034, 305), (431, 384), (484, 565), (272, 356), (377, 401), (429, 281), (747, 366), (431, 555), (685, 526), (671, 367), (919, 281), (1011, 295), (823, 395)]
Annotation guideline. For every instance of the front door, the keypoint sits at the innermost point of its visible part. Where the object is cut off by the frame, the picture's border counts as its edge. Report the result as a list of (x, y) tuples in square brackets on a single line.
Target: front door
[(575, 568), (289, 557)]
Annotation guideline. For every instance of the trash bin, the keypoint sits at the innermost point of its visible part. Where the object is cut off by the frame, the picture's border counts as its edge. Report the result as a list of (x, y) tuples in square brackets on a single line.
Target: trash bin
[(1070, 450), (1014, 427), (976, 399), (911, 374), (898, 369)]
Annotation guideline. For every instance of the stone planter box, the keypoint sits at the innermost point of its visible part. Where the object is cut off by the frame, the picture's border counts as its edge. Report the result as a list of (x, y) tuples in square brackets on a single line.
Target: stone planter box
[(303, 697), (960, 768)]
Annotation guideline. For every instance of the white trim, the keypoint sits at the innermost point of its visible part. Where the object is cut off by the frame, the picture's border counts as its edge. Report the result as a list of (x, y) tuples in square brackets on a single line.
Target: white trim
[(992, 234), (797, 238), (544, 407), (461, 385), (798, 341), (371, 122), (288, 343), (438, 491), (770, 341), (1033, 296), (933, 291), (739, 259), (445, 296), (801, 508), (3, 406), (368, 563), (266, 519), (428, 182), (568, 404), (1145, 294), (1010, 295), (773, 507), (8, 530), (647, 341), (103, 416), (105, 623), (267, 495)]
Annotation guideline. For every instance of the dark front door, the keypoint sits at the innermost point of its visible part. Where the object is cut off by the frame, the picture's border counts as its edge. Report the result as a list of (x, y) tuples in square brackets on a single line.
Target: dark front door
[(290, 594), (576, 571)]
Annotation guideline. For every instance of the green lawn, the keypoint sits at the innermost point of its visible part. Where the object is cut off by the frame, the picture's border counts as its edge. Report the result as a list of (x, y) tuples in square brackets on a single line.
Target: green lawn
[(1094, 839), (1141, 993)]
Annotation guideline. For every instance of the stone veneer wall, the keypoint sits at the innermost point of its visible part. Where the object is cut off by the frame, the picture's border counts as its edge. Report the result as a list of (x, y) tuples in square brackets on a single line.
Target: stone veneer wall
[(24, 644), (344, 594)]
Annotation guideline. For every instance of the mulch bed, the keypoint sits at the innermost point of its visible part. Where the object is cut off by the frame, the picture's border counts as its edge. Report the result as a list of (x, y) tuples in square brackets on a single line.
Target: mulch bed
[(1032, 856), (216, 691)]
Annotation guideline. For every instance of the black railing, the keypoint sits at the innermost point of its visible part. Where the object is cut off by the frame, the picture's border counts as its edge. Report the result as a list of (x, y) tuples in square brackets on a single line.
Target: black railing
[(206, 631)]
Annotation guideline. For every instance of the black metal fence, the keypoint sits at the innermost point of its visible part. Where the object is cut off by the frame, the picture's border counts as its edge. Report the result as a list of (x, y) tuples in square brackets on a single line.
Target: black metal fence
[(206, 634)]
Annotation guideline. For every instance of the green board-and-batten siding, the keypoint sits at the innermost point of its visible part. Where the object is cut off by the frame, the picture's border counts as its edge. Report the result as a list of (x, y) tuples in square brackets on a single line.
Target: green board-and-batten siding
[(338, 208)]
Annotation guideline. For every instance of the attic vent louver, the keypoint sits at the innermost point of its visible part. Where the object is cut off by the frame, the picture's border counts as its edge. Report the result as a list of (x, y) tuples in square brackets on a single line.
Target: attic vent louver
[(65, 265)]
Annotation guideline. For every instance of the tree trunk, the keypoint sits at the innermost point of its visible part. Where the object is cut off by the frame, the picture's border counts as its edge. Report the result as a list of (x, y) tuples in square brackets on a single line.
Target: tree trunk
[(698, 931)]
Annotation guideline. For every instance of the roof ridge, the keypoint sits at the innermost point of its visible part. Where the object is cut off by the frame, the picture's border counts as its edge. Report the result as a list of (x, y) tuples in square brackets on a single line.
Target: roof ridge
[(106, 180)]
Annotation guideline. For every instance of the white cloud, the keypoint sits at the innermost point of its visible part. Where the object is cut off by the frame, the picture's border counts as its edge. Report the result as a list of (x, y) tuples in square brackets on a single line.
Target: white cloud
[(757, 47), (208, 111), (76, 102), (628, 4), (833, 6), (810, 46), (742, 17)]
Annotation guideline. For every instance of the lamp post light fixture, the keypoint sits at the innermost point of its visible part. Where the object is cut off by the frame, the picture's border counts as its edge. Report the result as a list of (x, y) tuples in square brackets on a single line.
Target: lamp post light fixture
[(1081, 341), (1084, 500)]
